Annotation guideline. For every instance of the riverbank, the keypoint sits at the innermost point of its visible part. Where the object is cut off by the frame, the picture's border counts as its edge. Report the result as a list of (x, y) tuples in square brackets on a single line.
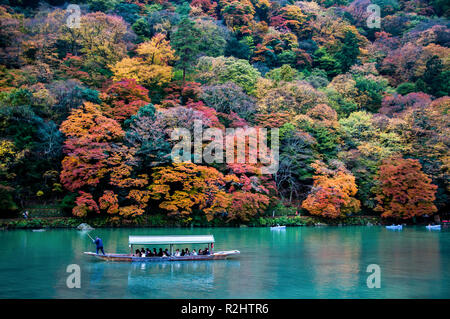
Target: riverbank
[(163, 221)]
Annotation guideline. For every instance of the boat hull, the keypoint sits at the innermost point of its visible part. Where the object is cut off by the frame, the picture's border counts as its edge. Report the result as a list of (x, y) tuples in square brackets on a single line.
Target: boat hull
[(394, 227), (278, 228), (129, 258)]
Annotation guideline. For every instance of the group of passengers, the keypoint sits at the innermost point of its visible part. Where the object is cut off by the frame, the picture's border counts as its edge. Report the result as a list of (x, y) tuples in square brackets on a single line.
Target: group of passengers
[(165, 253)]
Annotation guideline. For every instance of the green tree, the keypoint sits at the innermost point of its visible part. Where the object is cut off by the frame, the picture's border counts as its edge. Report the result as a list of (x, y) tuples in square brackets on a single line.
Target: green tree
[(406, 88), (221, 70), (442, 7), (186, 43), (349, 52), (435, 80), (372, 90), (323, 60), (142, 29), (284, 73)]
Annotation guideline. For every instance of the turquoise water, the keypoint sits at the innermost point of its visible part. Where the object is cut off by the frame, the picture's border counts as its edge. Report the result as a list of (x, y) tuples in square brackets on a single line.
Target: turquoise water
[(300, 262)]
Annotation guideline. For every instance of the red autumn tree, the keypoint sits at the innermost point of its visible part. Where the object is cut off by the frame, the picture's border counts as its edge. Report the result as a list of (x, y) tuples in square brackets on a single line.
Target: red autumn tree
[(109, 202), (123, 99), (95, 156), (404, 190), (245, 205), (206, 6), (273, 120), (84, 204), (178, 93), (183, 188)]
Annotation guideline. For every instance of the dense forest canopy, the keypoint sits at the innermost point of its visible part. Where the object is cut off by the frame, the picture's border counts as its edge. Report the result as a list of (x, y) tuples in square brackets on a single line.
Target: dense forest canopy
[(89, 98)]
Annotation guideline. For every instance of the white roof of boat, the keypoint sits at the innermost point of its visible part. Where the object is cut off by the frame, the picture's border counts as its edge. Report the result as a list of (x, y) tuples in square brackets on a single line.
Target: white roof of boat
[(164, 240)]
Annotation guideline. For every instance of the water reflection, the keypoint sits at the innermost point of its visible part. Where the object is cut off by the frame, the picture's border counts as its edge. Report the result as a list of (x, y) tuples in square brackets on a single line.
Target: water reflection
[(154, 280), (306, 262), (97, 273), (336, 257)]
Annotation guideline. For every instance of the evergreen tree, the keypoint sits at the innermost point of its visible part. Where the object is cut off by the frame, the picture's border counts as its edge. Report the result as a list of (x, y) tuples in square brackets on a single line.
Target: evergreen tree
[(186, 42), (435, 79), (323, 60), (349, 52)]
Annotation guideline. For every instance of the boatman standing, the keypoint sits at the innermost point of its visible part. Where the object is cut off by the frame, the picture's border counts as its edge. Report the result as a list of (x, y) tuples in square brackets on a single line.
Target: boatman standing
[(98, 242)]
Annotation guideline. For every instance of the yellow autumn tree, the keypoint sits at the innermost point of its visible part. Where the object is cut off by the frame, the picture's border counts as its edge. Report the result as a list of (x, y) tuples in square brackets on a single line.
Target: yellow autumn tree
[(183, 187), (151, 67)]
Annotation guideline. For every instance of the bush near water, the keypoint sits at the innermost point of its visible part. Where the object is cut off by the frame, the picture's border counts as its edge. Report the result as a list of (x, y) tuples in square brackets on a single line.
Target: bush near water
[(162, 221)]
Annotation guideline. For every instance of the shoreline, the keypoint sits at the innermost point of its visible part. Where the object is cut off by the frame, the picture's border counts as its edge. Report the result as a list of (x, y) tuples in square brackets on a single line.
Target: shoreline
[(159, 222)]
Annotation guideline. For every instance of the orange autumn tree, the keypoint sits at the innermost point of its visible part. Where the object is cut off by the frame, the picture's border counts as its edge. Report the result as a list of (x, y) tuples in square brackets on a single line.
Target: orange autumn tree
[(404, 191), (203, 7), (333, 192), (99, 167), (109, 202), (237, 15), (134, 198), (290, 17), (89, 134), (183, 187)]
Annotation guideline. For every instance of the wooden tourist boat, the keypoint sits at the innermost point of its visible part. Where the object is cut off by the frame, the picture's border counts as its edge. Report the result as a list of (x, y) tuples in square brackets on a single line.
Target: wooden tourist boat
[(171, 241)]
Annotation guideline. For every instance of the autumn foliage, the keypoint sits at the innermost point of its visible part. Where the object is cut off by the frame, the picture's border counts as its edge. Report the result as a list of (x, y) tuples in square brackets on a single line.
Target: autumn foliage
[(87, 112), (123, 99), (151, 66), (333, 193), (404, 190), (88, 134)]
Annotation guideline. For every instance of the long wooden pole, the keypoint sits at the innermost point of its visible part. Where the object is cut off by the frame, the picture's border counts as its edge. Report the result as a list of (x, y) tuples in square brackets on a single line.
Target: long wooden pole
[(90, 236)]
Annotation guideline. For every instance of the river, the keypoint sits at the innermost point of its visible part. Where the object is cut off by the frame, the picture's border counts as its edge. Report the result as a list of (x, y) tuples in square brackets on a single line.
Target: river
[(299, 262)]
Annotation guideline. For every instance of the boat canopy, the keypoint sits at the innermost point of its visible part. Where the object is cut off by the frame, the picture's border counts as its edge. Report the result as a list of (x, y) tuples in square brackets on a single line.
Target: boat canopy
[(172, 240)]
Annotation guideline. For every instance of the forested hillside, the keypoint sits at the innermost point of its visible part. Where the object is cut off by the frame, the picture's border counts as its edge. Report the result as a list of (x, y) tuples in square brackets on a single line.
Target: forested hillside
[(90, 94)]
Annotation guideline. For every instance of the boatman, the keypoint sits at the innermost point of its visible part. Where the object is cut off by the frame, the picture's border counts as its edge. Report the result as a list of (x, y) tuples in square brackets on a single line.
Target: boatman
[(98, 242)]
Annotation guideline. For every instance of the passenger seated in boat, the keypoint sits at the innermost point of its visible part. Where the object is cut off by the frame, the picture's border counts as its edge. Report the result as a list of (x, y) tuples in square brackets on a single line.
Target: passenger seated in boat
[(142, 252), (160, 253), (200, 252), (194, 253), (148, 253), (137, 253), (177, 253), (187, 252), (154, 252), (206, 251), (183, 252), (166, 251)]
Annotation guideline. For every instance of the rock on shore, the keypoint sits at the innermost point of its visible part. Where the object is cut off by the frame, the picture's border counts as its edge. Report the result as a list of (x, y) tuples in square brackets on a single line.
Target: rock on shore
[(84, 226)]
